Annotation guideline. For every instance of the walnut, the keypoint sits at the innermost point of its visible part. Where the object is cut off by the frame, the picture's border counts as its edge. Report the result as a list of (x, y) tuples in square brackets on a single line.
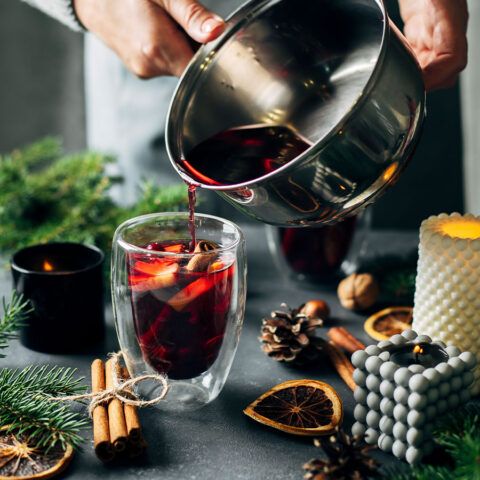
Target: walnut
[(358, 291)]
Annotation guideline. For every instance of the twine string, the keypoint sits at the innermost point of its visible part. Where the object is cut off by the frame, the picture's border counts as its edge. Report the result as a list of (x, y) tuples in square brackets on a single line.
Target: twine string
[(121, 390)]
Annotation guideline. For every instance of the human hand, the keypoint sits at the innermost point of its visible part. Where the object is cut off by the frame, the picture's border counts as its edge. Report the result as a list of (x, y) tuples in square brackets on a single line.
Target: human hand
[(436, 30), (150, 36)]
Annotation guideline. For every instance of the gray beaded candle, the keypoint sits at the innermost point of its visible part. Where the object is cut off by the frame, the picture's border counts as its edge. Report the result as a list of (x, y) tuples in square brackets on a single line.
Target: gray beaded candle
[(403, 385)]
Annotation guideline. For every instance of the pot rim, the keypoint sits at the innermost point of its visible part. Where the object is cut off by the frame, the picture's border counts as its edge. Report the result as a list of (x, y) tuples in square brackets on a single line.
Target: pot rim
[(238, 19)]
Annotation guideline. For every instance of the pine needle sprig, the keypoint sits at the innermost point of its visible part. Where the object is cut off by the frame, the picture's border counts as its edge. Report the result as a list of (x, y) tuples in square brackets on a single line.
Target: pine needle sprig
[(461, 439), (424, 472), (26, 407), (44, 422), (459, 435), (463, 419), (67, 197), (14, 315), (43, 380)]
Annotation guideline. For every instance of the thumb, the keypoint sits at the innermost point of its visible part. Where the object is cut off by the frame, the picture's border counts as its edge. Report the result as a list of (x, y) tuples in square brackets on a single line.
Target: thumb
[(199, 23)]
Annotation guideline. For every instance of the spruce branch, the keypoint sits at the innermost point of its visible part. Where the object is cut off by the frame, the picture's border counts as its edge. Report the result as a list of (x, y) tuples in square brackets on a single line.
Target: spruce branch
[(67, 198), (15, 312), (43, 380), (459, 435), (26, 406), (427, 472)]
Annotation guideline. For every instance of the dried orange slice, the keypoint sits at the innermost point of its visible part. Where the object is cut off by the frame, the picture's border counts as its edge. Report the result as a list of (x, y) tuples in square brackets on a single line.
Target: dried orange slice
[(300, 407), (20, 462), (390, 321)]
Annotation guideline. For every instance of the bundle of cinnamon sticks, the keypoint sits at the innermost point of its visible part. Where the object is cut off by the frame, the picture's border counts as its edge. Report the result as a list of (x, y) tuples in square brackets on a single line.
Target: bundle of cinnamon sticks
[(341, 339), (116, 426)]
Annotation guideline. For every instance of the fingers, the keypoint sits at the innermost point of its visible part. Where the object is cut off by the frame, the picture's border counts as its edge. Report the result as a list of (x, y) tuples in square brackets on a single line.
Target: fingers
[(436, 30), (442, 72), (161, 59), (449, 45), (151, 43), (200, 24), (168, 52)]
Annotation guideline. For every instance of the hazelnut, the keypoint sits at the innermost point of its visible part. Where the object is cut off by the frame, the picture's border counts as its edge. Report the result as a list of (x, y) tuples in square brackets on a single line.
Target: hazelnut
[(316, 309), (358, 291)]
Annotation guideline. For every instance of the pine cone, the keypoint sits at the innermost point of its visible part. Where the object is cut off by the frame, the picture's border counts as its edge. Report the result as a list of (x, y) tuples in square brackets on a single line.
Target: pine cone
[(287, 335), (347, 458)]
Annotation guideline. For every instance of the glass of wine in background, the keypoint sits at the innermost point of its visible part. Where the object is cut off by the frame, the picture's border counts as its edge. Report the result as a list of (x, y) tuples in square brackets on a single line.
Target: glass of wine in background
[(179, 308), (320, 254)]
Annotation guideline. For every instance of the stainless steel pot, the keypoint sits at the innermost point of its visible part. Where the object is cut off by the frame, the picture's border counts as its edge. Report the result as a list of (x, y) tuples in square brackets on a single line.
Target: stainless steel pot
[(338, 72)]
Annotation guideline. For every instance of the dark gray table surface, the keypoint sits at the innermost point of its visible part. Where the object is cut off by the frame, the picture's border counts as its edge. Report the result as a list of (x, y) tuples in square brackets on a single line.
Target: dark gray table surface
[(219, 441)]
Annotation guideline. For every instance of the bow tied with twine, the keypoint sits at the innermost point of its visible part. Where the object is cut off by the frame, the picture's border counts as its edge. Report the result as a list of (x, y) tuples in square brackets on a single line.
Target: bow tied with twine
[(121, 390)]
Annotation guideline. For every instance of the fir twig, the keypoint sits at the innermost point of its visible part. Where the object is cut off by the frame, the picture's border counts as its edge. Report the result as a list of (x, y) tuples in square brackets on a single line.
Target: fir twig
[(15, 312), (463, 419), (424, 472), (67, 198), (43, 380), (459, 435), (25, 406)]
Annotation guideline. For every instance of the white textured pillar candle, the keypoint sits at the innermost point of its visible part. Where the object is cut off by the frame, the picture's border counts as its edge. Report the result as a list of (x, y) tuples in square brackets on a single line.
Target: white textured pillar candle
[(447, 295)]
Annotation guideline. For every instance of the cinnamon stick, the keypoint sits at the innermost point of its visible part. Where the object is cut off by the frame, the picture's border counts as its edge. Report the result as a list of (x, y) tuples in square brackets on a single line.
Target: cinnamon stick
[(201, 261), (101, 433), (134, 429), (341, 363), (344, 339), (116, 416)]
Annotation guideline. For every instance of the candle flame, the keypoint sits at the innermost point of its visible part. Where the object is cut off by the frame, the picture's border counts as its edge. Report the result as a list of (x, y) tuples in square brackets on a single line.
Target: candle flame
[(417, 349), (47, 266), (462, 228)]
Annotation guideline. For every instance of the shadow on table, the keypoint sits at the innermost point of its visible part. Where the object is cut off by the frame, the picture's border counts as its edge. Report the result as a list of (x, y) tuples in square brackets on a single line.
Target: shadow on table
[(157, 454), (101, 349)]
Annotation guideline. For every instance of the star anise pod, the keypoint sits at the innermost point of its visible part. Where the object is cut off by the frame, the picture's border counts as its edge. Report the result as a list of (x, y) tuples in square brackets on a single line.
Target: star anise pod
[(346, 457), (288, 335)]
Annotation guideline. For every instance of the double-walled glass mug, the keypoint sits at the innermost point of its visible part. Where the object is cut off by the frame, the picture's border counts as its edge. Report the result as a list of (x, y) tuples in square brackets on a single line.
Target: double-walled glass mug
[(179, 312), (320, 254)]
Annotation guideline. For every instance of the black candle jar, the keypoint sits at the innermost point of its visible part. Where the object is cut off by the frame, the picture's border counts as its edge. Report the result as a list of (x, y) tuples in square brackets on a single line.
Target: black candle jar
[(64, 283)]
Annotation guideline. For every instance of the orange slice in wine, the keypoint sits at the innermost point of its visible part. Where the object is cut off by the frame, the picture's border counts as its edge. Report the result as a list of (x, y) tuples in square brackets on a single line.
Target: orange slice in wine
[(175, 248), (156, 267), (299, 407), (191, 292), (390, 321), (216, 266), (199, 287), (163, 277)]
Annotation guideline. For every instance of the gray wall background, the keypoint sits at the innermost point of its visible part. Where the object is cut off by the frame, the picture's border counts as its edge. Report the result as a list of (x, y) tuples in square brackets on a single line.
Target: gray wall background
[(41, 93), (41, 79)]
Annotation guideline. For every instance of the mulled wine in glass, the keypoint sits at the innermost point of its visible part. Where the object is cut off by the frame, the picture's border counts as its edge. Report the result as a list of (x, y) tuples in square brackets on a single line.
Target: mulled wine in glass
[(179, 307), (319, 254)]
